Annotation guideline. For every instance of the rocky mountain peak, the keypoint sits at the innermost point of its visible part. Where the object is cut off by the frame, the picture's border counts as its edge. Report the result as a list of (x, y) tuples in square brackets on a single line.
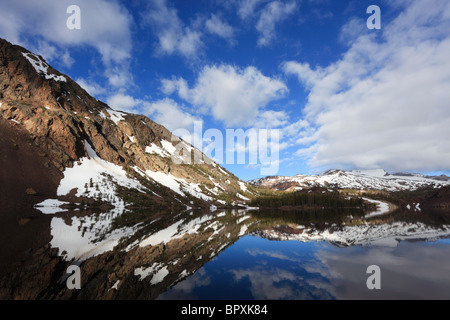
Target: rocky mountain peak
[(377, 179), (71, 128), (27, 77)]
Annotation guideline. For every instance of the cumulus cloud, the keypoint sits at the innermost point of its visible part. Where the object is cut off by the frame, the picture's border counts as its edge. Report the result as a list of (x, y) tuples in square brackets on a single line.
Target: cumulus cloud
[(384, 104), (303, 71), (271, 119), (272, 14), (247, 8), (267, 15), (218, 27), (166, 112), (105, 26), (174, 37), (93, 88), (124, 102), (170, 114), (232, 95)]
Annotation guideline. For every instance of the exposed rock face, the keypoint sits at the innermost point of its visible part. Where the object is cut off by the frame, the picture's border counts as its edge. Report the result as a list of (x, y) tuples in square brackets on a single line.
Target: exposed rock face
[(61, 118), (49, 125)]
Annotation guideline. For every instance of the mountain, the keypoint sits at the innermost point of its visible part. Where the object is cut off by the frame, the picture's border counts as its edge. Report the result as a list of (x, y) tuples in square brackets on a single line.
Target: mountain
[(355, 179), (61, 147)]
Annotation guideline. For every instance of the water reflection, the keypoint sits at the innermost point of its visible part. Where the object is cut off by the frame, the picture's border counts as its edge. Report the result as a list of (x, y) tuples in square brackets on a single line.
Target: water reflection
[(80, 237), (412, 270), (298, 259), (253, 268), (247, 254), (292, 271)]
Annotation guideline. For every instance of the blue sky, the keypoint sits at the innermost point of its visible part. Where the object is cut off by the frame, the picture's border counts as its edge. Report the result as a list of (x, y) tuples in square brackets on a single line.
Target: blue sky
[(339, 94)]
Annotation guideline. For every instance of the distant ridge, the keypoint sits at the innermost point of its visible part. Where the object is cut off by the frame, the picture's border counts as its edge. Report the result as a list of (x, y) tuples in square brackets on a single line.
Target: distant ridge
[(355, 179)]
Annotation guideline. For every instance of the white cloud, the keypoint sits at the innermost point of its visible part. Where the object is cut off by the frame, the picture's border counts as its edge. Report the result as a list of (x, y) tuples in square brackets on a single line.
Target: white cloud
[(175, 85), (94, 89), (272, 14), (124, 102), (353, 29), (119, 75), (303, 71), (218, 27), (232, 95), (66, 59), (270, 119), (105, 26), (247, 8), (267, 14), (174, 37), (385, 103), (166, 112), (170, 114), (294, 128)]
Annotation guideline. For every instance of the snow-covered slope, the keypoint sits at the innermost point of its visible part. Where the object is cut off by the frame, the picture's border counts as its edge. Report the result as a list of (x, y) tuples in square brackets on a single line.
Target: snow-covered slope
[(356, 179), (97, 152)]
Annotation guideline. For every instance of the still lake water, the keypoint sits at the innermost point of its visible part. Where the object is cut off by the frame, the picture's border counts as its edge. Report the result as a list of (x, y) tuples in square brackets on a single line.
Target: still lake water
[(256, 268), (235, 254)]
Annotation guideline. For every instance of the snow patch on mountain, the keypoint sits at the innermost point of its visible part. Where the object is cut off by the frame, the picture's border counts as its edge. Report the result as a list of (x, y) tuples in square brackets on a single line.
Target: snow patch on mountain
[(153, 148), (41, 67), (116, 116), (242, 197), (168, 146), (94, 177), (356, 179), (167, 150), (243, 186), (178, 185)]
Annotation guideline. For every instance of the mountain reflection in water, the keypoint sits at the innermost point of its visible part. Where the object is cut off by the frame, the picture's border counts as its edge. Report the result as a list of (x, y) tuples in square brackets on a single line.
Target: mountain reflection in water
[(247, 254), (256, 268)]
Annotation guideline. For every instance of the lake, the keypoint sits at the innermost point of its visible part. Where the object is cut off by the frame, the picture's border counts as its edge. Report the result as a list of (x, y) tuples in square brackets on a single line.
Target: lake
[(256, 268), (233, 254)]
